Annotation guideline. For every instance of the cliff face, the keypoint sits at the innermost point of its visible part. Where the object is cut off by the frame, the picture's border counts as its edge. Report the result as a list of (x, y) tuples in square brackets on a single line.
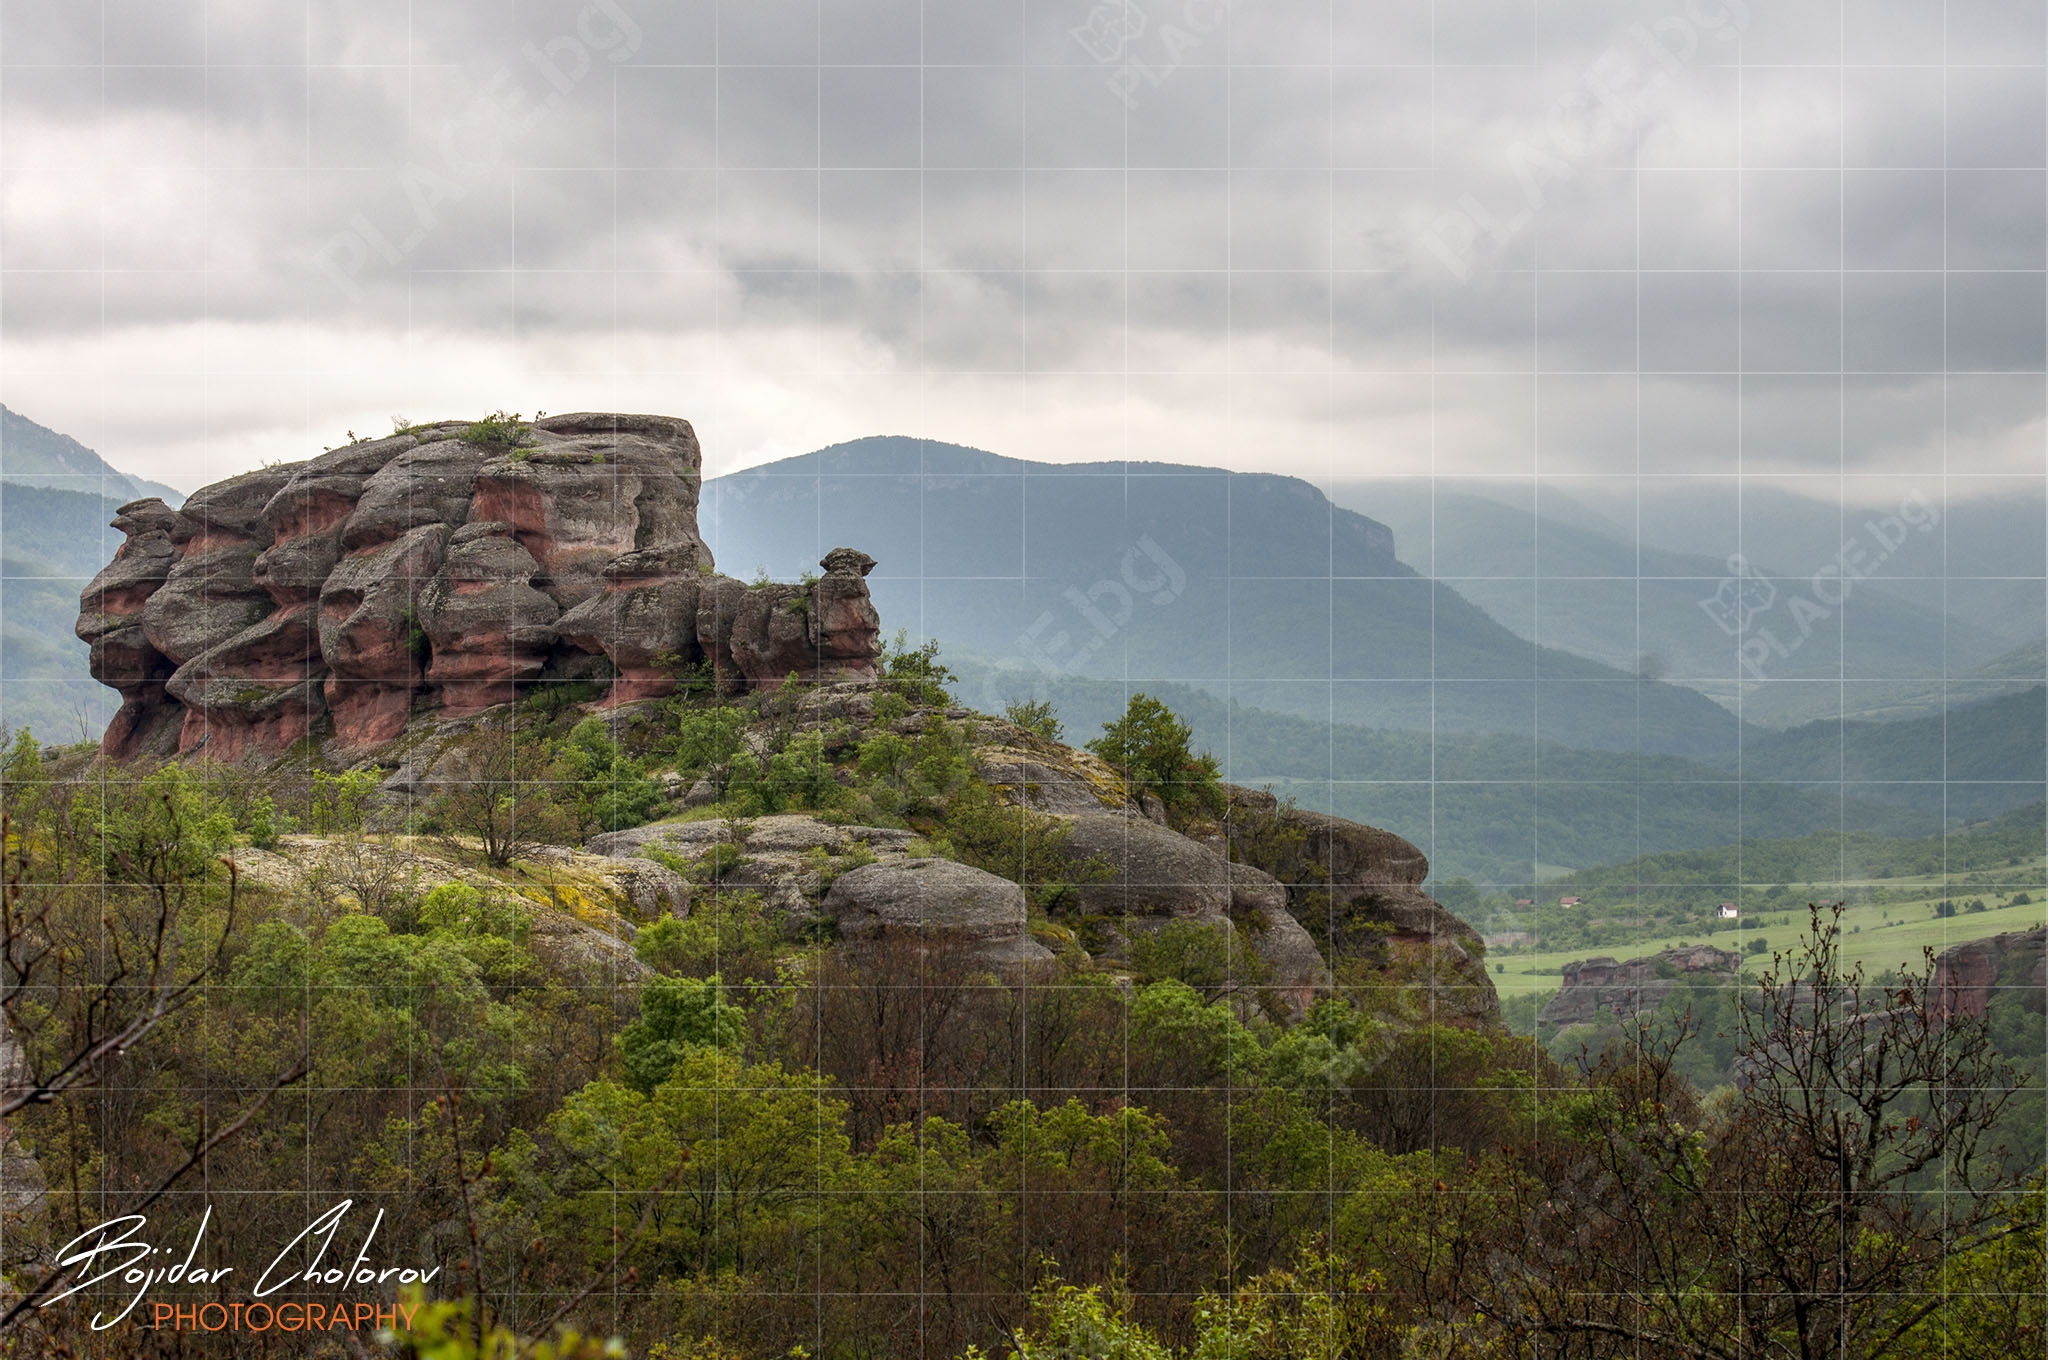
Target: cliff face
[(436, 572), (1603, 984), (1967, 976)]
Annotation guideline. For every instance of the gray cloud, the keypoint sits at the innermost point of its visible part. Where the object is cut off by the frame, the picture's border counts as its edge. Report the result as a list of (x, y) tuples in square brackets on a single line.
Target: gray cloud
[(801, 222)]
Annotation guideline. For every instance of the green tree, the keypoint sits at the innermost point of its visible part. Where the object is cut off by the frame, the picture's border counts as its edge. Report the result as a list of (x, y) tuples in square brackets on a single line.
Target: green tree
[(720, 1160), (676, 1015), (1151, 748)]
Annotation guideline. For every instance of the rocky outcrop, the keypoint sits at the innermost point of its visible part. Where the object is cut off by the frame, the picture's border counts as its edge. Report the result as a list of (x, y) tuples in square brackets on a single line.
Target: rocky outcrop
[(439, 572), (112, 614), (1967, 977), (1593, 986), (823, 631), (939, 904), (1145, 871), (1358, 891)]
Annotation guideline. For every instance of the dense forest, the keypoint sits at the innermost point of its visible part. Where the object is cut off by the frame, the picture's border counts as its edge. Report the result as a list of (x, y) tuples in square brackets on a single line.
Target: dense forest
[(268, 992)]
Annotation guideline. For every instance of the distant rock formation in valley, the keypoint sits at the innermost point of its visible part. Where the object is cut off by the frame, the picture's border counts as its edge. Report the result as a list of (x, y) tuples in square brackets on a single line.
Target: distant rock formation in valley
[(1967, 976), (1635, 987), (436, 572)]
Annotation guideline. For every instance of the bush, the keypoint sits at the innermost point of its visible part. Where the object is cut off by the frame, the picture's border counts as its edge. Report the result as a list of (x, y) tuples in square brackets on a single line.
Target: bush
[(1208, 958), (1015, 842), (500, 430), (727, 933), (341, 802), (903, 777), (486, 792), (611, 792), (916, 672), (1035, 715), (800, 775)]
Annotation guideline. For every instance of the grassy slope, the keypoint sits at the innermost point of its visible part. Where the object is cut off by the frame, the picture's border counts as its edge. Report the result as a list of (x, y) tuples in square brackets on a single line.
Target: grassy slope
[(1871, 942)]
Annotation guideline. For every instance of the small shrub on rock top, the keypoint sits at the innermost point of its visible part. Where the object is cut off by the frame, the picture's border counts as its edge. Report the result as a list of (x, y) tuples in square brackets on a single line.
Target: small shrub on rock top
[(1035, 715)]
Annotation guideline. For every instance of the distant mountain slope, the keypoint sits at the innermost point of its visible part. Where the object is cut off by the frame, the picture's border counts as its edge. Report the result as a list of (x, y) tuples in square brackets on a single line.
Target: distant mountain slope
[(1827, 857), (56, 496), (1497, 809), (1554, 571), (51, 543), (1250, 587), (35, 455), (1976, 760)]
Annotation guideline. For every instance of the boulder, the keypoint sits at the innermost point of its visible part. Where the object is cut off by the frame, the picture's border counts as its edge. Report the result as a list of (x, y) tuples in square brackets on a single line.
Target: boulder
[(234, 508), (430, 483), (938, 903), (260, 692), (1145, 870), (653, 890), (1594, 985), (644, 619), (848, 631), (307, 515), (824, 633), (1358, 891), (210, 595), (593, 488), (773, 636), (1320, 851), (112, 611), (1295, 967)]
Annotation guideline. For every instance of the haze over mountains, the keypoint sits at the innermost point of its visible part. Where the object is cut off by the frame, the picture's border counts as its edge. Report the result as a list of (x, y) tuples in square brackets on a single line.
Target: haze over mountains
[(1555, 697), (1299, 638), (1950, 609)]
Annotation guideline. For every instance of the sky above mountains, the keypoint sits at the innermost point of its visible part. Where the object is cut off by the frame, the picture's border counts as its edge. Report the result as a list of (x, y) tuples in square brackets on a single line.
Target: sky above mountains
[(1470, 238)]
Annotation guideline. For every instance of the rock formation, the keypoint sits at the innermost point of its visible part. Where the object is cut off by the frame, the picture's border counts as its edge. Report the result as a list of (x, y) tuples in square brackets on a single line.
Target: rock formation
[(1357, 891), (1967, 976), (1602, 984), (935, 902), (439, 571)]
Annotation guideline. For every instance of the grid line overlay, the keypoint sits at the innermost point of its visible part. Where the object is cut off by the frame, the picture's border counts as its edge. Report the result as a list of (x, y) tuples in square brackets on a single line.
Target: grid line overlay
[(1439, 684)]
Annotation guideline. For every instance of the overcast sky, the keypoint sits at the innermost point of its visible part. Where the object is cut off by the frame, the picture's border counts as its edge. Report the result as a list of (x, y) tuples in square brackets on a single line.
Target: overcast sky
[(1333, 239)]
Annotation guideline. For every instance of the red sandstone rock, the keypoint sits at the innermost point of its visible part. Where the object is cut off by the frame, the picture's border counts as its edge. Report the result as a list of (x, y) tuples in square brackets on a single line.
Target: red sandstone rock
[(372, 638), (1967, 976), (761, 635), (431, 483), (644, 619), (592, 489), (110, 619), (489, 627), (425, 572), (257, 693)]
